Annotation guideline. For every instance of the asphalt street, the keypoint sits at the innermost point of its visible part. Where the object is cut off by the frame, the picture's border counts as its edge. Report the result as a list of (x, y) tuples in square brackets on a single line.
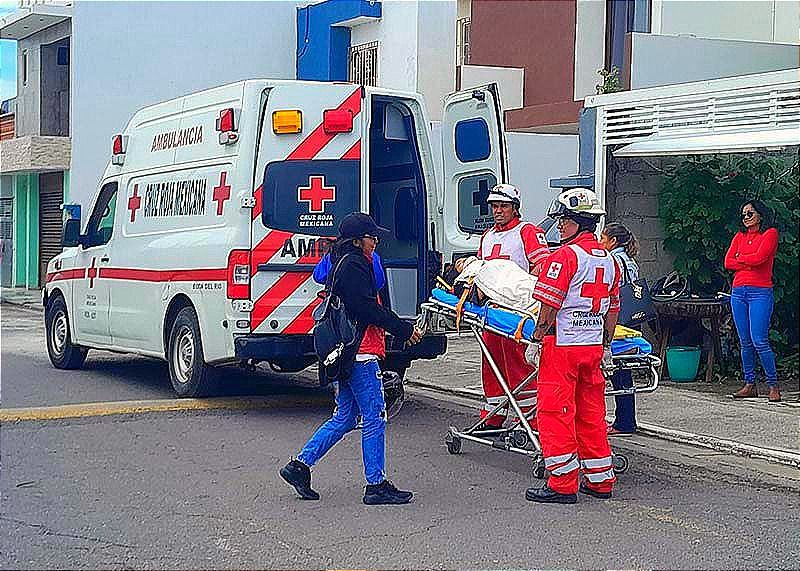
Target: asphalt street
[(199, 489)]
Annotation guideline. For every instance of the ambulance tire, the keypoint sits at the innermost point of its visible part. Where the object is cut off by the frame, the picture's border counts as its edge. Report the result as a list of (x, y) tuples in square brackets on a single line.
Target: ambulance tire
[(190, 375), (62, 352)]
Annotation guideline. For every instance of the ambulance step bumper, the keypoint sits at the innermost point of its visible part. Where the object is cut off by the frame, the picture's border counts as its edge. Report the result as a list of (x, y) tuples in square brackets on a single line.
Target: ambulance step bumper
[(283, 347), (273, 347)]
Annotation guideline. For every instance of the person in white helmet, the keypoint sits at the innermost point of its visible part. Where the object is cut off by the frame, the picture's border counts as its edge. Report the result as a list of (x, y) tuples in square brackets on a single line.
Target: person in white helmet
[(524, 243), (579, 291)]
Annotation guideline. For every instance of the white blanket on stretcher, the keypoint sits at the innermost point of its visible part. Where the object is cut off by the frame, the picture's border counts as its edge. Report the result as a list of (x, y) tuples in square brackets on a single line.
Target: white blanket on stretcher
[(502, 281)]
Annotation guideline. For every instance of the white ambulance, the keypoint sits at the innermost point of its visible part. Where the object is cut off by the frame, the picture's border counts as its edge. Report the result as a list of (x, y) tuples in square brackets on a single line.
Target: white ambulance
[(215, 208)]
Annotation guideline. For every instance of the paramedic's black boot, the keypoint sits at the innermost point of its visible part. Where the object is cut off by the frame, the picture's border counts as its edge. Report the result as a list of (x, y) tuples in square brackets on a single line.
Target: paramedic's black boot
[(298, 475), (547, 496), (585, 489), (385, 493)]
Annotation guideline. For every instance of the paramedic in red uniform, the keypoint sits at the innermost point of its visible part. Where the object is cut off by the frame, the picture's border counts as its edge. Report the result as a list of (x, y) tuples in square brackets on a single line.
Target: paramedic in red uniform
[(513, 239), (579, 291)]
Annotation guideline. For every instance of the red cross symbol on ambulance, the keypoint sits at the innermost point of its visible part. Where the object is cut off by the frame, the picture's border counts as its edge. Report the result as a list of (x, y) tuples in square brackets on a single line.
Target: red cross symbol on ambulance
[(316, 194), (134, 202)]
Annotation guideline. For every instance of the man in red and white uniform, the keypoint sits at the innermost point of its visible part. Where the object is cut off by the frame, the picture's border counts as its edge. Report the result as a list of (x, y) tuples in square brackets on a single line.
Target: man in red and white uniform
[(579, 291), (523, 243)]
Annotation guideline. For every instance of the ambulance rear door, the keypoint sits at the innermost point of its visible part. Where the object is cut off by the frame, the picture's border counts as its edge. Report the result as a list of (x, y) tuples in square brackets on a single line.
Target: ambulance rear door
[(307, 178), (474, 160)]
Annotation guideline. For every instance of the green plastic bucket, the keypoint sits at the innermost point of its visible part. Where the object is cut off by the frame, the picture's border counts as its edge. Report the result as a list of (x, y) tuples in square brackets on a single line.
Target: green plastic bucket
[(683, 363)]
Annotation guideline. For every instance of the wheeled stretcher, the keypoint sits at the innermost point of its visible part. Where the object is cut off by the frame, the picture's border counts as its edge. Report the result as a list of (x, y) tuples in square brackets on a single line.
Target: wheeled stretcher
[(630, 351)]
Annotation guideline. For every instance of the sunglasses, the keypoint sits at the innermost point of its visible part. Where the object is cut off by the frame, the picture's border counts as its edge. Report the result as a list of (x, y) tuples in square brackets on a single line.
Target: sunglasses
[(374, 238), (748, 214)]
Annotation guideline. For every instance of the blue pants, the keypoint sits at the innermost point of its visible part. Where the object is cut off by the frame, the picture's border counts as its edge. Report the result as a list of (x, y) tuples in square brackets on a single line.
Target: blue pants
[(625, 413), (361, 395), (752, 311)]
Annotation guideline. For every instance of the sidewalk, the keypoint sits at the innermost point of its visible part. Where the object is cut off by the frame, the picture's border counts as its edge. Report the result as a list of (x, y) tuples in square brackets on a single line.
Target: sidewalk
[(748, 428), (28, 298)]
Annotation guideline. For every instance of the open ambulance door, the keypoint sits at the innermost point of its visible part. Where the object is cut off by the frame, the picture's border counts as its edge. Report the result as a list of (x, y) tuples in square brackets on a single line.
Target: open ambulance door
[(308, 177), (474, 159)]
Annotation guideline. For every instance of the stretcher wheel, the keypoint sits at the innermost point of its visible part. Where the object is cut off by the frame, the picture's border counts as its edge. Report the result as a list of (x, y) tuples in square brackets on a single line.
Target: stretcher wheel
[(620, 463), (519, 438), (453, 445), (539, 471)]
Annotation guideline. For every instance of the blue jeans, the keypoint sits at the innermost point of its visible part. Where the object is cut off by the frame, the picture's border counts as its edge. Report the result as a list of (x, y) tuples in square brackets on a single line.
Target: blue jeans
[(625, 413), (362, 394), (752, 311)]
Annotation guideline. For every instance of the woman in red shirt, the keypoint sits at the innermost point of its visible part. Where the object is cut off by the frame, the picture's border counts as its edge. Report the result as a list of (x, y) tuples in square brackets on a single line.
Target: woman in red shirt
[(751, 256)]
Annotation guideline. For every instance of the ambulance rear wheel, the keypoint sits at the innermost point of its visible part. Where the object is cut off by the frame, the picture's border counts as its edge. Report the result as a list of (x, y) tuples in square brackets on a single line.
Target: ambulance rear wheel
[(62, 352), (188, 371)]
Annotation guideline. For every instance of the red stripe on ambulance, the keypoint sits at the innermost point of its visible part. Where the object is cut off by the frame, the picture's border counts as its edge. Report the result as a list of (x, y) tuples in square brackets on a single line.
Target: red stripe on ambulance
[(353, 152), (303, 323), (275, 295), (318, 138)]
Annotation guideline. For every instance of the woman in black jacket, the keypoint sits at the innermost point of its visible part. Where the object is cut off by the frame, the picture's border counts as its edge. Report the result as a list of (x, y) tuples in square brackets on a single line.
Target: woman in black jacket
[(361, 393)]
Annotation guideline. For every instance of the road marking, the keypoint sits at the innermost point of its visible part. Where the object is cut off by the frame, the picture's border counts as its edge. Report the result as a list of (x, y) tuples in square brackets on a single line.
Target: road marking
[(160, 405)]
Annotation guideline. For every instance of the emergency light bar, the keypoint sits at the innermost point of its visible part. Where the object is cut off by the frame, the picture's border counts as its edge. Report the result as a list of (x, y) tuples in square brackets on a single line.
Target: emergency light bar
[(119, 146), (228, 125), (287, 121)]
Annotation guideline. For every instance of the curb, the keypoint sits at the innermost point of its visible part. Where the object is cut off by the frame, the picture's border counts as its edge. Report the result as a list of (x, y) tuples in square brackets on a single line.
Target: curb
[(26, 305), (776, 456), (136, 407)]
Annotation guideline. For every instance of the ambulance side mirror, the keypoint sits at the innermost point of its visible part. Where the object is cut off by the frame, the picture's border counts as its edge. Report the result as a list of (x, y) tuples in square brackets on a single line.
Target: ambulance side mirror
[(71, 235)]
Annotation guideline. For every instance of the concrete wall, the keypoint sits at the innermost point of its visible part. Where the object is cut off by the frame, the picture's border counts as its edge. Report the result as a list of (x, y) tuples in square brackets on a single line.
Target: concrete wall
[(757, 20), (665, 60), (534, 159), (54, 96), (436, 53), (126, 55), (632, 189), (510, 81), (29, 93), (590, 46), (397, 33)]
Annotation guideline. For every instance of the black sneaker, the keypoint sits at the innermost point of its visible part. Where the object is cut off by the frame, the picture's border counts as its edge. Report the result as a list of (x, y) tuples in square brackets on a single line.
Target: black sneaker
[(385, 493), (298, 475), (548, 496), (585, 489)]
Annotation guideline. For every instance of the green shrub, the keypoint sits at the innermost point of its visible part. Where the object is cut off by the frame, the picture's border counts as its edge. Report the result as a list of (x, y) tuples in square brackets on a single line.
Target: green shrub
[(699, 207)]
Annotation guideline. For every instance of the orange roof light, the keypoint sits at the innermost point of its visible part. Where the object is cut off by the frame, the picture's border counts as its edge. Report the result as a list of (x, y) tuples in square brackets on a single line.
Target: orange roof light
[(287, 121)]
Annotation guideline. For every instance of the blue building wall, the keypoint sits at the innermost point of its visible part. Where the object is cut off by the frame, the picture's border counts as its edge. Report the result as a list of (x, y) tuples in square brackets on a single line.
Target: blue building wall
[(323, 37)]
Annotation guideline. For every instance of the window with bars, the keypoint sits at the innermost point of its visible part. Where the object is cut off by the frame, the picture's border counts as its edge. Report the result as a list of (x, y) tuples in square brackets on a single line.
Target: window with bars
[(462, 41), (363, 64)]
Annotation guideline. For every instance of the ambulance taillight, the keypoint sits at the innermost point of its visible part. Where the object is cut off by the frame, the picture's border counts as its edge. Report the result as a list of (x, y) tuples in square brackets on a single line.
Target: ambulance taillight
[(238, 276), (119, 146), (337, 121), (228, 126)]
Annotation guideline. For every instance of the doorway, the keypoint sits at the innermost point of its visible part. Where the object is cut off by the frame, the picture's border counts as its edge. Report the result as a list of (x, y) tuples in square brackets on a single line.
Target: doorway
[(397, 201)]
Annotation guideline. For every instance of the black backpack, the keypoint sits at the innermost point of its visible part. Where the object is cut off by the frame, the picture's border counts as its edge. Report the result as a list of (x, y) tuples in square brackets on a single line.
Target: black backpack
[(334, 332), (635, 304)]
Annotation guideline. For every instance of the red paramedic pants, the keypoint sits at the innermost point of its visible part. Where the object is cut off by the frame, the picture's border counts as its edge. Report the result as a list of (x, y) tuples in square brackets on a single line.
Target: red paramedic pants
[(510, 359), (572, 417)]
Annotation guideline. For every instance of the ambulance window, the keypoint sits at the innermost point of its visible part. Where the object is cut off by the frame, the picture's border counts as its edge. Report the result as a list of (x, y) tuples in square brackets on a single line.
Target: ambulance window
[(101, 222), (310, 196), (472, 140), (474, 214)]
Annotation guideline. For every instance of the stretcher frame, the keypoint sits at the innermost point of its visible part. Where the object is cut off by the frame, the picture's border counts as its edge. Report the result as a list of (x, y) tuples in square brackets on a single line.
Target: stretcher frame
[(519, 437)]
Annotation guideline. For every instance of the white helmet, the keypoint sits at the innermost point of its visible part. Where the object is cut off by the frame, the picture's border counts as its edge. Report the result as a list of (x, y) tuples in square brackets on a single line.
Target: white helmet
[(579, 203), (504, 193)]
